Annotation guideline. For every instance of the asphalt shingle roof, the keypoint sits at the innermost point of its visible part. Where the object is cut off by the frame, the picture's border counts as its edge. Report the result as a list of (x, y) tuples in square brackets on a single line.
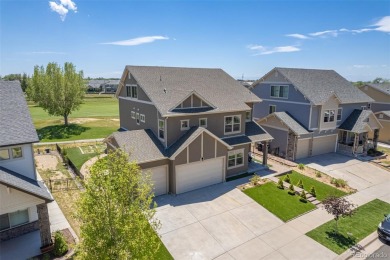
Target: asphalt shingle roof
[(20, 182), (96, 83), (356, 121), (387, 113), (220, 89), (291, 123), (253, 133), (319, 85), (16, 126), (383, 87)]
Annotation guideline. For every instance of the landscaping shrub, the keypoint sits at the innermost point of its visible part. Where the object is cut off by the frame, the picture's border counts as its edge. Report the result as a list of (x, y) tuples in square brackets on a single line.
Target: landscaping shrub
[(60, 245), (280, 184), (291, 190), (301, 166), (339, 182), (303, 197), (318, 174), (287, 179), (300, 184), (255, 180), (313, 191)]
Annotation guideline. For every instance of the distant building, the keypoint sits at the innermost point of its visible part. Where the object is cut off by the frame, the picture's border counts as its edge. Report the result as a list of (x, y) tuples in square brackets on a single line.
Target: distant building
[(103, 85)]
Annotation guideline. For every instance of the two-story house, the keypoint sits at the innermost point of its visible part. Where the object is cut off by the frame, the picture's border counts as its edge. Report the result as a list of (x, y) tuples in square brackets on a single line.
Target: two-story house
[(191, 127), (23, 199), (381, 107), (311, 112)]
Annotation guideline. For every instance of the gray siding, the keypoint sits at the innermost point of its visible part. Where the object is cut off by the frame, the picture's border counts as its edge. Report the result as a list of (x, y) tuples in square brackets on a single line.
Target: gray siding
[(243, 168), (141, 93), (280, 139), (376, 107), (315, 114), (348, 109)]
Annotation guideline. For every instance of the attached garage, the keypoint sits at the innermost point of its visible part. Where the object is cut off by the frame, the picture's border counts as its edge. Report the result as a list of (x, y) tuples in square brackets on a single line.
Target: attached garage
[(302, 148), (324, 144), (159, 176), (197, 175)]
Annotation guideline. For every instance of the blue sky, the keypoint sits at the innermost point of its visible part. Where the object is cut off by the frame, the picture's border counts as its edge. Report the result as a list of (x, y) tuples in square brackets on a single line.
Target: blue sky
[(242, 37)]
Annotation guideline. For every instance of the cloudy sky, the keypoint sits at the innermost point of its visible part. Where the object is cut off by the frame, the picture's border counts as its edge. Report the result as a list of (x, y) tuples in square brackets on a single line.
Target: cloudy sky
[(245, 38)]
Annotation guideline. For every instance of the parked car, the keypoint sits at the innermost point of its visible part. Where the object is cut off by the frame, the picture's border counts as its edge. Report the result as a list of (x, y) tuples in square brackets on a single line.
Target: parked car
[(384, 229)]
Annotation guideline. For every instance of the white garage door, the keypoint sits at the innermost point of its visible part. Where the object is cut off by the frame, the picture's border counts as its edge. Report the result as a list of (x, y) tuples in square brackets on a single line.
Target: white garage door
[(199, 174), (159, 177), (325, 144), (302, 149)]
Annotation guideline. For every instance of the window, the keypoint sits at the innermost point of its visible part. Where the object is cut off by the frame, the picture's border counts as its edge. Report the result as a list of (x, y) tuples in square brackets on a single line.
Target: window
[(132, 91), (272, 108), (248, 116), (364, 107), (161, 129), (184, 124), (4, 154), (232, 124), (279, 91), (13, 219), (203, 122), (132, 114), (142, 116), (339, 114), (137, 118), (329, 116), (235, 158)]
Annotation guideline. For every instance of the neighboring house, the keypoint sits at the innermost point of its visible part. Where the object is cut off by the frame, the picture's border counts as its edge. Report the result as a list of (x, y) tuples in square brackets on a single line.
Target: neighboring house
[(190, 127), (380, 93), (103, 85), (23, 199), (311, 112), (384, 119)]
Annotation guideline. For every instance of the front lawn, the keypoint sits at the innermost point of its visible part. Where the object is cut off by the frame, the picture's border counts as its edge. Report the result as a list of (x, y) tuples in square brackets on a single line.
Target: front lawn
[(78, 158), (351, 229), (278, 201), (322, 190)]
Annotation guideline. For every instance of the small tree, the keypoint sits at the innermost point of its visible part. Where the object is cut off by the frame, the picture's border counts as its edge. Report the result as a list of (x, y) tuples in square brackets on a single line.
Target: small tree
[(291, 190), (300, 184), (280, 184), (287, 179), (313, 191), (339, 208), (255, 180), (301, 166)]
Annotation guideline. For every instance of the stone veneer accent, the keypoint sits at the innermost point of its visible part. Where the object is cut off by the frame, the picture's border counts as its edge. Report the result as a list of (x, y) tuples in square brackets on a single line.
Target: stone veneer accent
[(44, 224), (19, 230)]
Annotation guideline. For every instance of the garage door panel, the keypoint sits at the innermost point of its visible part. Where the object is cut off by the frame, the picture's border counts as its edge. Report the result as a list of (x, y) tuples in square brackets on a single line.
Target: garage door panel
[(322, 145), (302, 149), (199, 174), (159, 178)]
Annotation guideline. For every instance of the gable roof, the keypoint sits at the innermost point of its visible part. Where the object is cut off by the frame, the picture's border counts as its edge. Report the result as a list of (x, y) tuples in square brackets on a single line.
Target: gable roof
[(16, 123), (220, 89), (288, 121), (318, 85), (17, 181), (96, 83), (387, 113), (357, 121), (382, 87)]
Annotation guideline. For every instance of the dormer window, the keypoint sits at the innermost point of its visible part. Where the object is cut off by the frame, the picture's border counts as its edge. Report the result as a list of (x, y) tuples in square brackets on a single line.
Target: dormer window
[(132, 91)]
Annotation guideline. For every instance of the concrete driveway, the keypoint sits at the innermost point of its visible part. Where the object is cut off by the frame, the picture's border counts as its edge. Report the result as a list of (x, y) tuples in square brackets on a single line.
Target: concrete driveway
[(221, 222), (359, 174)]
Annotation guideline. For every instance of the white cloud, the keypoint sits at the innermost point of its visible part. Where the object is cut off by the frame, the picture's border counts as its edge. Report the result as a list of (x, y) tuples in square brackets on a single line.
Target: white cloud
[(297, 35), (63, 7), (383, 25), (261, 50), (361, 66), (138, 41), (332, 33)]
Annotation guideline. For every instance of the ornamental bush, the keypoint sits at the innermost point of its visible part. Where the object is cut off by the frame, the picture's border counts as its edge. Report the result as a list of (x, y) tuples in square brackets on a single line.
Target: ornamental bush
[(301, 166), (291, 190), (303, 197), (287, 179), (60, 245), (313, 191), (280, 184), (300, 184)]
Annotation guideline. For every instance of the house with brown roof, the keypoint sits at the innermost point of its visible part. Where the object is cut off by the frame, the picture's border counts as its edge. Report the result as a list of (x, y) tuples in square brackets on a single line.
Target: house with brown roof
[(190, 127), (311, 112), (23, 199)]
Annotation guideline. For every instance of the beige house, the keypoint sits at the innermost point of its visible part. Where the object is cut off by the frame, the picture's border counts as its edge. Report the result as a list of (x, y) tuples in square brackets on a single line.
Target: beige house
[(190, 127)]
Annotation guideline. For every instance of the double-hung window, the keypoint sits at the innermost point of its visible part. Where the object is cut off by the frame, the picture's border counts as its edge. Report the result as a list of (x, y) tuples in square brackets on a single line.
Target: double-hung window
[(279, 91), (184, 124), (248, 116), (329, 116), (235, 158), (137, 118), (142, 116), (13, 219), (11, 153), (339, 114), (203, 122), (132, 114), (272, 108), (132, 91), (232, 124), (161, 129)]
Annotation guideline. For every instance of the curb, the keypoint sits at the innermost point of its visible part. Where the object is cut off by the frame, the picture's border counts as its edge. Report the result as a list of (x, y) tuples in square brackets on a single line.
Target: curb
[(363, 243)]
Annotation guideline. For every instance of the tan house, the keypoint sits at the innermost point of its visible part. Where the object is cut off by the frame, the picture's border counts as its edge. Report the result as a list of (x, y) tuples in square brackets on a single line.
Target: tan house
[(384, 118), (191, 127)]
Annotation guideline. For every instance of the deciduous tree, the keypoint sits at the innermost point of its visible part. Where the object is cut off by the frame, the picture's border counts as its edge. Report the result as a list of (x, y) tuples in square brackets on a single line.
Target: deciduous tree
[(339, 208), (117, 212), (59, 91)]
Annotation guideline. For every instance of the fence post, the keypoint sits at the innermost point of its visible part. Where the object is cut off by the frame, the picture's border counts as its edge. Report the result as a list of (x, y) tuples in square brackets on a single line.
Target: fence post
[(51, 188)]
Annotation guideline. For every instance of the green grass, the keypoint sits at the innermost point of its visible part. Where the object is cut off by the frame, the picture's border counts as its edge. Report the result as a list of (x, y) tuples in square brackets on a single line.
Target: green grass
[(163, 253), (74, 154), (278, 201), (322, 190), (351, 229)]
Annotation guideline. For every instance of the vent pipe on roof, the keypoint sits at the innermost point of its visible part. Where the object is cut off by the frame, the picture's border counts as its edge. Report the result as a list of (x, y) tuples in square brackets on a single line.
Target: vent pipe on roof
[(165, 90)]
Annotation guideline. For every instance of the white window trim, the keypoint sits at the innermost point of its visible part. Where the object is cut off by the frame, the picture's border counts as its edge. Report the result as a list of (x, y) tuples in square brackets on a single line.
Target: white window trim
[(133, 114), (380, 116), (131, 91), (250, 116), (341, 115), (364, 107), (224, 125), (9, 219), (142, 118), (288, 90), (11, 157), (158, 129), (205, 126), (181, 124), (137, 118), (235, 152), (329, 111), (269, 107)]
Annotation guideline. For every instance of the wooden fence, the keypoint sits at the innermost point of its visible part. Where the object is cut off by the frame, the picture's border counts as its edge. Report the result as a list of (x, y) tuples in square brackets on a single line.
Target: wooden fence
[(61, 184)]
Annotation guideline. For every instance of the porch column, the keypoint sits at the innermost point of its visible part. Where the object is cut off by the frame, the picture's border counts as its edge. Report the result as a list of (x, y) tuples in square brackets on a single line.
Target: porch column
[(375, 139), (44, 224), (265, 152), (355, 143)]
